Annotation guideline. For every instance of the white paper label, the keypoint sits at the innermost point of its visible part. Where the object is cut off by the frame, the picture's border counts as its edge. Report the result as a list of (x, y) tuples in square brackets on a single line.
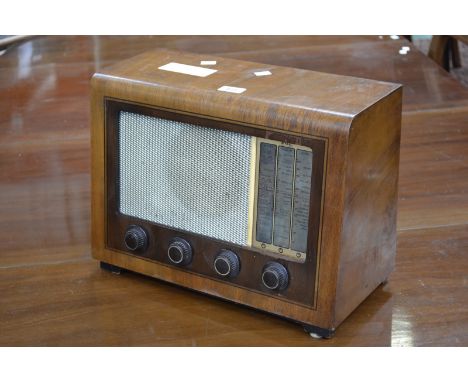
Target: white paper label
[(207, 62), (263, 73), (187, 69), (232, 89)]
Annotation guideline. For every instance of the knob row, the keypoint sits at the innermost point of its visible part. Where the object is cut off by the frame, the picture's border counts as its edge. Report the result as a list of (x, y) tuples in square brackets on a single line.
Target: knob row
[(226, 263)]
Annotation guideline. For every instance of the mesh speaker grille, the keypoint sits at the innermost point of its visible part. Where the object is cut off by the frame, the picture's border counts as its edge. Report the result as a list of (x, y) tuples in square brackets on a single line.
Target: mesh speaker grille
[(185, 176)]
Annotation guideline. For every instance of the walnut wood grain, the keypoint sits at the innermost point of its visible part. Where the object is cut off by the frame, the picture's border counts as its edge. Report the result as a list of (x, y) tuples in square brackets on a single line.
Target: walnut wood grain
[(425, 83), (368, 241), (53, 293)]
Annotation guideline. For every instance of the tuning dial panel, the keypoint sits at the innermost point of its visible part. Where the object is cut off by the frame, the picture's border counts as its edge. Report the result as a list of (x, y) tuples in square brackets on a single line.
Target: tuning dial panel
[(227, 264), (275, 276), (179, 251), (135, 238)]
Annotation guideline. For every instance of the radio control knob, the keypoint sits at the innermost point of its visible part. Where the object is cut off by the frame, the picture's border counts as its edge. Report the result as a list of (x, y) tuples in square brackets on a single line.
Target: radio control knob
[(275, 276), (227, 264), (135, 238), (179, 251)]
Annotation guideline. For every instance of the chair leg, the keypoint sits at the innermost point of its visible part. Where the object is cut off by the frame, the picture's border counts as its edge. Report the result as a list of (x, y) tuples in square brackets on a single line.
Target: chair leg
[(456, 60), (438, 51)]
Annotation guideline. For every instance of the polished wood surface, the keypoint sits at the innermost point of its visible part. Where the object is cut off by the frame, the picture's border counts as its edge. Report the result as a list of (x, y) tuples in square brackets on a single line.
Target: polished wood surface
[(368, 238), (53, 293), (360, 122)]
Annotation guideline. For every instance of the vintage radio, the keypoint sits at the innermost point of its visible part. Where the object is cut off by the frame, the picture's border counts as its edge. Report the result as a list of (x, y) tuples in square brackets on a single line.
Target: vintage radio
[(268, 186)]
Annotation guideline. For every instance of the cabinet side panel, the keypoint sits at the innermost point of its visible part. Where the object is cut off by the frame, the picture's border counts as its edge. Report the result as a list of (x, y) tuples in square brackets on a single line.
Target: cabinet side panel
[(368, 241), (97, 170)]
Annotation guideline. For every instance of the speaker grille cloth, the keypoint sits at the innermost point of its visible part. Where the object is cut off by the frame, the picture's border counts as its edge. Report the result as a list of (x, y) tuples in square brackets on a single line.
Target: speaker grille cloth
[(185, 176)]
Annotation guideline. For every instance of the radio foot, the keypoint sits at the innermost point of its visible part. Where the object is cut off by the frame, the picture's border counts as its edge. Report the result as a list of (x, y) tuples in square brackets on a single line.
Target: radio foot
[(319, 333), (316, 336), (111, 268)]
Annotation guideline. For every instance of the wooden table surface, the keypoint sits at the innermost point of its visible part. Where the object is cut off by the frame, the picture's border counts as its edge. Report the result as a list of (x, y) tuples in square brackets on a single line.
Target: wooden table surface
[(53, 293)]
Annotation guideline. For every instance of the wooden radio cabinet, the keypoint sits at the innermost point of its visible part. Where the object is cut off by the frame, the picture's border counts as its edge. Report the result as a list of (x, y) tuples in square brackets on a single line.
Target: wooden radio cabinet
[(268, 186)]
